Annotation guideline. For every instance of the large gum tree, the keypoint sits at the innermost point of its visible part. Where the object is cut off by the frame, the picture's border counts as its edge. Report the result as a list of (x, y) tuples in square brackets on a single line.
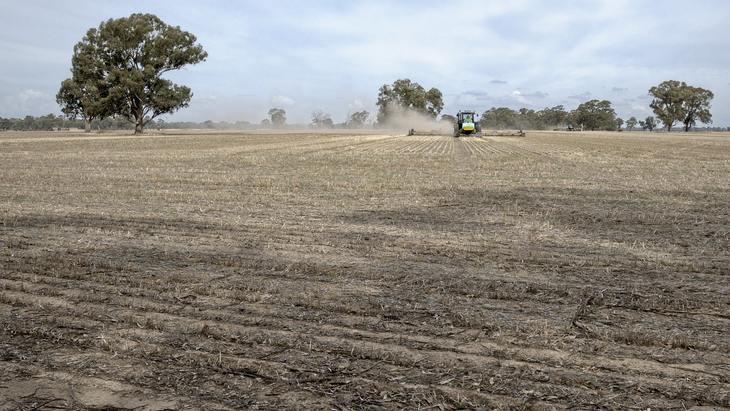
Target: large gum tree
[(129, 57), (406, 95), (675, 101)]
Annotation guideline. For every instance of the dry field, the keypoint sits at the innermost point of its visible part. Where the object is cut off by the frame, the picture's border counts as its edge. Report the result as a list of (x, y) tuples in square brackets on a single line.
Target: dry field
[(229, 271)]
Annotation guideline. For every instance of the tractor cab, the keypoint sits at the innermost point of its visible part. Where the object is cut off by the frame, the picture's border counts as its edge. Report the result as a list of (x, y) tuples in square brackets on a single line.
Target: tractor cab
[(466, 117), (466, 123)]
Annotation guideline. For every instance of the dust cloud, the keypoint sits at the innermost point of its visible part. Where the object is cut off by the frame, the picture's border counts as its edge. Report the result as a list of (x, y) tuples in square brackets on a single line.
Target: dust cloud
[(401, 118)]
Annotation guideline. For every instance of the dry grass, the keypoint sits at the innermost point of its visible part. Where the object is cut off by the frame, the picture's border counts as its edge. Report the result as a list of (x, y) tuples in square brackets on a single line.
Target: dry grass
[(559, 270)]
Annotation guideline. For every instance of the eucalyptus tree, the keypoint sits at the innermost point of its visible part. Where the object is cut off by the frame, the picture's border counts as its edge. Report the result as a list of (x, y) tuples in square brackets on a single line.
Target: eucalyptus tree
[(118, 69)]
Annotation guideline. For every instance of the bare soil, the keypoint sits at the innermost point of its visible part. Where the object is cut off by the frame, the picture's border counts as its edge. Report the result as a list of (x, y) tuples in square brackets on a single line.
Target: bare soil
[(342, 271)]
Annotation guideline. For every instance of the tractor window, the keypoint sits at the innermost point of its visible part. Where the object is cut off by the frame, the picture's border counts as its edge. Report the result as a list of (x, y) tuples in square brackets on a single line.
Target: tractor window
[(468, 118)]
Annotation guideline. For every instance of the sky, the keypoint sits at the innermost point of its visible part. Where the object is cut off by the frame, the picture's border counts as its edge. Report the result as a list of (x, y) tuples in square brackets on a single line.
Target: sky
[(334, 55)]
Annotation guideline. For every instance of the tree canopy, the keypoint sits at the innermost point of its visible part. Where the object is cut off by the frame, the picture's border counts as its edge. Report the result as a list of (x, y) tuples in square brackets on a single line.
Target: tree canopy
[(553, 116), (277, 116), (79, 98), (648, 124), (405, 95), (631, 123), (85, 94), (524, 118), (358, 119), (696, 106), (499, 118), (675, 101), (120, 65), (595, 115), (667, 102)]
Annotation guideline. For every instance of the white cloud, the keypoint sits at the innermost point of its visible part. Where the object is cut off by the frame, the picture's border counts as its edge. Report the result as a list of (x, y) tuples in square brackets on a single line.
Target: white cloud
[(283, 101), (331, 55), (517, 95), (356, 105)]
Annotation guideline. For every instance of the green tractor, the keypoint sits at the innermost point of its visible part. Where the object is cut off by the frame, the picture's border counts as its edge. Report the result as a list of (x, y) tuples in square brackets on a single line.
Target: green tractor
[(466, 124)]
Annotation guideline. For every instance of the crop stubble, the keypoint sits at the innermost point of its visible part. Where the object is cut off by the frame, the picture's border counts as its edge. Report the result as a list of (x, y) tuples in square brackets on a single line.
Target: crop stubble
[(306, 270)]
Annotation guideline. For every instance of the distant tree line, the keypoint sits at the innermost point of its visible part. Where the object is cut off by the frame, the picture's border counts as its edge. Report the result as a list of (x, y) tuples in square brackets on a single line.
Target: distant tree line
[(320, 119), (52, 122), (357, 119), (591, 115), (673, 102)]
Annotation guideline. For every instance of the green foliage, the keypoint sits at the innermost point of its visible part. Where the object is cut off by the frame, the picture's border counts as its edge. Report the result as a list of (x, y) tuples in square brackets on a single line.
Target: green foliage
[(42, 123), (648, 124), (552, 117), (667, 102), (405, 95), (499, 118), (696, 106), (595, 115), (358, 119), (85, 94), (619, 123), (119, 66), (51, 122), (631, 123), (675, 101), (525, 119), (434, 102), (528, 118), (278, 117)]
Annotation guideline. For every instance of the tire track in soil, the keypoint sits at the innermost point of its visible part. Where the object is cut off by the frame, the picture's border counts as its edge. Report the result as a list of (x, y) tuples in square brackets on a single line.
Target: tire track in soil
[(271, 235), (222, 315), (285, 239), (432, 352), (294, 372), (385, 147), (100, 285), (461, 155), (477, 359), (510, 148), (170, 315), (342, 147)]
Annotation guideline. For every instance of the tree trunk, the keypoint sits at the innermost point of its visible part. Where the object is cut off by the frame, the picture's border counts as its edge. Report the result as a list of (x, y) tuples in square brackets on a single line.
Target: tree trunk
[(87, 125), (687, 126), (669, 128), (138, 111)]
